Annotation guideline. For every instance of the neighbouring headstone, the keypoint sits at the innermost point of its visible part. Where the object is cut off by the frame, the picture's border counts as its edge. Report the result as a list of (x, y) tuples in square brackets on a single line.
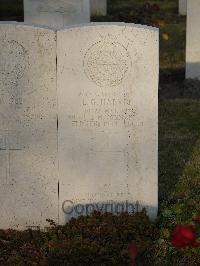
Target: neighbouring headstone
[(108, 118), (98, 7), (56, 14), (28, 126), (183, 7), (193, 40)]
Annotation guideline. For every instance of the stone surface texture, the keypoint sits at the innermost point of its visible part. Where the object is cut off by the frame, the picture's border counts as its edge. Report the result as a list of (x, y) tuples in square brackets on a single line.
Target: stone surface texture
[(87, 124), (193, 40), (56, 14), (108, 117), (28, 126)]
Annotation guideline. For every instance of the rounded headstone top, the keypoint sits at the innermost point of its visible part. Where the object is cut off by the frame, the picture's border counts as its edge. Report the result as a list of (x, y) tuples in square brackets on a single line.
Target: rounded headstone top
[(107, 24)]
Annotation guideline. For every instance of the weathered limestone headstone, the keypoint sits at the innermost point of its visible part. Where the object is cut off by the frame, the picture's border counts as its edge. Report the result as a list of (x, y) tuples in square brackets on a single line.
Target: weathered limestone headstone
[(108, 118), (193, 40), (183, 7), (98, 7), (28, 126), (102, 134), (56, 13)]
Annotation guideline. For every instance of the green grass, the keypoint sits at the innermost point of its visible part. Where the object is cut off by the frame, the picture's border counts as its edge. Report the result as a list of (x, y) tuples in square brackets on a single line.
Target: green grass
[(179, 137)]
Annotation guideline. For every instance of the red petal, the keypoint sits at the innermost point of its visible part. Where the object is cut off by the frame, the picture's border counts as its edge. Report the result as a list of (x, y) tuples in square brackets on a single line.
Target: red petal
[(188, 232), (178, 243), (183, 235)]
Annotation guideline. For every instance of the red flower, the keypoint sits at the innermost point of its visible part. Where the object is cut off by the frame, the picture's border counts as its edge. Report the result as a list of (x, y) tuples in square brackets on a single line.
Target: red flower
[(133, 252), (184, 236), (197, 219)]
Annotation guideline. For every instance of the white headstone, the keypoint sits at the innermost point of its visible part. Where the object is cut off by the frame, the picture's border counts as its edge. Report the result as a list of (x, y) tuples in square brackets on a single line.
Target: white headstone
[(108, 118), (56, 13), (98, 7), (183, 7), (193, 40), (28, 126)]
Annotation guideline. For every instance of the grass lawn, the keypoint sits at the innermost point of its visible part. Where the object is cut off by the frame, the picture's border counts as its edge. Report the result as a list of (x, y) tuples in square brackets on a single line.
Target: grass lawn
[(179, 150)]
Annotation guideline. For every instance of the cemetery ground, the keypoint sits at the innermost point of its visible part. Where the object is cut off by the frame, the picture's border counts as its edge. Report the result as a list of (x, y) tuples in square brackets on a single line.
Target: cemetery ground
[(103, 239)]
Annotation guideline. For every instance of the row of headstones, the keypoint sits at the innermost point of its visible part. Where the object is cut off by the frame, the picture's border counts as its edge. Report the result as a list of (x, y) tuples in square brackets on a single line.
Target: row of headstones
[(78, 121), (61, 13), (191, 8)]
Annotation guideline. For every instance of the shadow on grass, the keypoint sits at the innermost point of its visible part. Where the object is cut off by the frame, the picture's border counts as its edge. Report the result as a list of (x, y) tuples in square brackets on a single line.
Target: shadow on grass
[(173, 85), (179, 129)]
